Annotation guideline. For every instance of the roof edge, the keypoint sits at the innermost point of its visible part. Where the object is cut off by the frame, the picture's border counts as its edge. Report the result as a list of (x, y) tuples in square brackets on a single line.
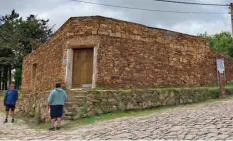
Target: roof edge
[(103, 17)]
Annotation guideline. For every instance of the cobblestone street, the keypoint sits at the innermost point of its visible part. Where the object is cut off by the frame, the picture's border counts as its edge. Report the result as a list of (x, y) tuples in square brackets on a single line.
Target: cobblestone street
[(212, 121)]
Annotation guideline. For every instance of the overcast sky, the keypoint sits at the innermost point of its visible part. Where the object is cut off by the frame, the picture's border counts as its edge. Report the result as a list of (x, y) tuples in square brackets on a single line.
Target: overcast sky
[(58, 11)]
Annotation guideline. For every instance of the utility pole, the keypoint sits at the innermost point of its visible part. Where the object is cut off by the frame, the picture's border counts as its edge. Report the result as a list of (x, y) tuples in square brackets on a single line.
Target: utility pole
[(231, 7)]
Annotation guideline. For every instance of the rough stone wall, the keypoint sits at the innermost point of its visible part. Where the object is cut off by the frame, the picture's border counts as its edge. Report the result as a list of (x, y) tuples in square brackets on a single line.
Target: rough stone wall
[(48, 58), (138, 56), (91, 103), (49, 64), (34, 105), (129, 55), (142, 64)]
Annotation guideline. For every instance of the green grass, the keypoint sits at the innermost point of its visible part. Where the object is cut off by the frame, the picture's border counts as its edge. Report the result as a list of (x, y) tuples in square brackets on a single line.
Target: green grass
[(2, 95), (110, 116), (99, 89), (228, 86)]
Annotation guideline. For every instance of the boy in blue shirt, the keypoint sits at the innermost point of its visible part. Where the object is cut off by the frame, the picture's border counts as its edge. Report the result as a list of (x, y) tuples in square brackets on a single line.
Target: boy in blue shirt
[(10, 100)]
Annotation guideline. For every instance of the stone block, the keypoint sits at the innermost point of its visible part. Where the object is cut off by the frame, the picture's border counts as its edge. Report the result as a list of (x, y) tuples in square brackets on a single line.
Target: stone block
[(94, 32), (103, 33), (130, 106), (121, 106), (171, 101), (118, 34)]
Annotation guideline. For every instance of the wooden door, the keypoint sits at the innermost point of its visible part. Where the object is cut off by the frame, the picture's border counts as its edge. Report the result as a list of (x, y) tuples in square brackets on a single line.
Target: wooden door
[(82, 67)]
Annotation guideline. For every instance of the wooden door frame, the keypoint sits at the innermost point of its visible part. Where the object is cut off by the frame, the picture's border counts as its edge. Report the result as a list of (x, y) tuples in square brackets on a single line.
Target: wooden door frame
[(69, 66)]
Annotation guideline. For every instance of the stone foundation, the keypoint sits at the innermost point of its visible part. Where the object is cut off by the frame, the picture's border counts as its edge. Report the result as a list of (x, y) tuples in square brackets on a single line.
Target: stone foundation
[(34, 105), (90, 103)]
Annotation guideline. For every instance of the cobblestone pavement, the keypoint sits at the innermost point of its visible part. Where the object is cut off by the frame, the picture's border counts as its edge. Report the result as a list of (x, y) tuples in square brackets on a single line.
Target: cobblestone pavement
[(211, 121)]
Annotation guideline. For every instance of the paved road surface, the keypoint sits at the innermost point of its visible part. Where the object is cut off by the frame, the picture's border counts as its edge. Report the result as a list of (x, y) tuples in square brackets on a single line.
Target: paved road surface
[(212, 121)]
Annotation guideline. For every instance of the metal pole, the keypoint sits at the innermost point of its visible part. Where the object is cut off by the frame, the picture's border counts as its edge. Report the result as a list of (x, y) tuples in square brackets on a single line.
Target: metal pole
[(222, 85), (217, 72), (231, 7)]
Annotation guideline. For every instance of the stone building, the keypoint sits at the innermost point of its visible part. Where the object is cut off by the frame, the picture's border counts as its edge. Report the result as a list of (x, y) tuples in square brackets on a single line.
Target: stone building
[(103, 52)]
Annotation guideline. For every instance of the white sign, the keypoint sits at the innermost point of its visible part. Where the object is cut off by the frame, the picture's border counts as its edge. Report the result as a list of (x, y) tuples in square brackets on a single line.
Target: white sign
[(64, 61), (220, 65), (87, 85)]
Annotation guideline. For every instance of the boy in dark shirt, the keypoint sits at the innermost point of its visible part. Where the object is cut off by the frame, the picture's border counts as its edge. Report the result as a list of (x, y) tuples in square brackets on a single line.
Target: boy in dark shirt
[(10, 100)]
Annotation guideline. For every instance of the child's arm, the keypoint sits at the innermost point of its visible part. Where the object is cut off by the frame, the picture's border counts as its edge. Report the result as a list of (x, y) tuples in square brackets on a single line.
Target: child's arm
[(5, 98), (50, 98)]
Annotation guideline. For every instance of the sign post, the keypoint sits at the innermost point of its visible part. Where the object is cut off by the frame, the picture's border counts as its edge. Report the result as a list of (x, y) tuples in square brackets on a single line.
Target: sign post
[(221, 76)]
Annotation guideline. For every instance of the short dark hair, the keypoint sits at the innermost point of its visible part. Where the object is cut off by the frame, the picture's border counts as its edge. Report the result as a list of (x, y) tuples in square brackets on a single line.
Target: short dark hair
[(13, 85), (58, 85)]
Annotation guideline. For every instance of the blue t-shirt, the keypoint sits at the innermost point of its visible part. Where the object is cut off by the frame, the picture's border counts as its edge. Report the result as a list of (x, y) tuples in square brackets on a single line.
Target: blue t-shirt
[(11, 97)]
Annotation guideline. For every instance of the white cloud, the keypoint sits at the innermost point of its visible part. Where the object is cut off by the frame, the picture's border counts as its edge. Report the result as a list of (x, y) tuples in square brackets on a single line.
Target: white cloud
[(58, 11), (195, 27)]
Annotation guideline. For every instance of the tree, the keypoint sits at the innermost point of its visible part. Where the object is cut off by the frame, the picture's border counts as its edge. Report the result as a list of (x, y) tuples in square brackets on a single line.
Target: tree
[(222, 42), (33, 33), (20, 37), (8, 44)]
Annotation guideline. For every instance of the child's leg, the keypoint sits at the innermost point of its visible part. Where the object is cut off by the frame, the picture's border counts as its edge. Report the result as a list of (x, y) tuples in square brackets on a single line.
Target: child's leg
[(7, 114), (63, 113), (13, 112)]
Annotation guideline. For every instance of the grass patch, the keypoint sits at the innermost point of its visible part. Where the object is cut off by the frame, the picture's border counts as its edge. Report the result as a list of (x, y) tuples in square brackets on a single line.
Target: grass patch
[(227, 86), (1, 97), (2, 94), (99, 89)]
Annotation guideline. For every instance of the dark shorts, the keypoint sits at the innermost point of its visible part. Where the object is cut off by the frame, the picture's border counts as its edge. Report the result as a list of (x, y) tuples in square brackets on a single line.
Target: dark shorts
[(10, 107), (56, 111)]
